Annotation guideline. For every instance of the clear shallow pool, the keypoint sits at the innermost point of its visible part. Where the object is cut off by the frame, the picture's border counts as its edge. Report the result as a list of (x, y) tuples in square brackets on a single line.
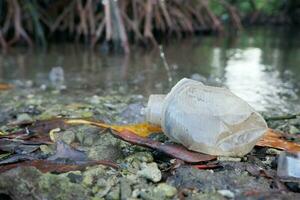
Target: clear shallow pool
[(261, 65)]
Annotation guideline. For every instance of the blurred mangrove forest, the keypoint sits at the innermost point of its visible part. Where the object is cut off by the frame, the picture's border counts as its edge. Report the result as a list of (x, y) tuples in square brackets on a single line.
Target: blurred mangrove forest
[(117, 24)]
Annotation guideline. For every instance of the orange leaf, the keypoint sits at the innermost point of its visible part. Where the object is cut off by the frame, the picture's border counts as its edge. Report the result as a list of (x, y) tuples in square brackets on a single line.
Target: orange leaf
[(4, 86), (274, 139), (142, 129)]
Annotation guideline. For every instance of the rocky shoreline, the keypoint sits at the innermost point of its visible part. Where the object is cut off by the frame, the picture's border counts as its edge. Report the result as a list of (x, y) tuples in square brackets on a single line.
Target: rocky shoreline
[(143, 173)]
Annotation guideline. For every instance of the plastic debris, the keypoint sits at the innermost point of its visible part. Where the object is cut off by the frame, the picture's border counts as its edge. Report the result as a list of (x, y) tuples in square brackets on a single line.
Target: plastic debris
[(289, 165), (206, 119)]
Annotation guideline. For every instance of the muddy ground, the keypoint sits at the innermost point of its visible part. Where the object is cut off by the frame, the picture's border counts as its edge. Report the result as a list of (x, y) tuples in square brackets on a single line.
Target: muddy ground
[(143, 173)]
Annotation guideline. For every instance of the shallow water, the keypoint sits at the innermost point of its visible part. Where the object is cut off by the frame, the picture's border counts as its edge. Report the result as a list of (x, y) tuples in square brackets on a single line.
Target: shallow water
[(261, 65)]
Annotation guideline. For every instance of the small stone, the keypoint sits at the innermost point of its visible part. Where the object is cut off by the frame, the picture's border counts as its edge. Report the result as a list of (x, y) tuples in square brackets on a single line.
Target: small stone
[(97, 198), (23, 117), (46, 149), (95, 99), (74, 176), (68, 136), (140, 156), (273, 151), (136, 193), (91, 175), (43, 87), (150, 171), (165, 190), (87, 114), (87, 136), (294, 130), (89, 140), (104, 152), (125, 189), (114, 194), (268, 160), (232, 159), (226, 193)]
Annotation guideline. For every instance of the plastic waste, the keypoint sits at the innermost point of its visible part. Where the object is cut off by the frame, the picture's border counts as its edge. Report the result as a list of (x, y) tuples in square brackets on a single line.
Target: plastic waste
[(206, 119), (289, 165)]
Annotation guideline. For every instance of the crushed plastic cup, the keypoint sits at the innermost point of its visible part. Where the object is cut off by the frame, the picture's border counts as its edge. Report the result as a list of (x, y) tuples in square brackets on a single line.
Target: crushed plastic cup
[(288, 166), (206, 119)]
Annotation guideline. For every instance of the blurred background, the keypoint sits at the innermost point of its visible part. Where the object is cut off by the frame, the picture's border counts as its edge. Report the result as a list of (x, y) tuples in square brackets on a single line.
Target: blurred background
[(146, 46)]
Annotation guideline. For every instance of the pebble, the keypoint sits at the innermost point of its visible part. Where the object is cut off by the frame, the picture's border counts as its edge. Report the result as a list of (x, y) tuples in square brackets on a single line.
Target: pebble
[(273, 151), (150, 171), (68, 136), (165, 190), (294, 130), (95, 99), (46, 149), (114, 193), (125, 188), (233, 159), (23, 117), (226, 193)]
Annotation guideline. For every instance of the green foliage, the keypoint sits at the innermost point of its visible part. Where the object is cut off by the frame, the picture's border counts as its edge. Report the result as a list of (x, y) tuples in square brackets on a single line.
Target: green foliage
[(32, 8), (245, 7)]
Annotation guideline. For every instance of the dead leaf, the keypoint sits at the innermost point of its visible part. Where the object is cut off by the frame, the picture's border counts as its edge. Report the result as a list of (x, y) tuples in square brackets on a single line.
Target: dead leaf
[(173, 150), (276, 140), (137, 134), (37, 131), (50, 166), (5, 86), (206, 166), (64, 151), (142, 129), (16, 146), (41, 128), (16, 158)]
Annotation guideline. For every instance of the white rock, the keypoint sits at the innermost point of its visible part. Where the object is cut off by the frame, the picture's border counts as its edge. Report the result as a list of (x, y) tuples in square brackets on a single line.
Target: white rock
[(226, 193), (150, 171)]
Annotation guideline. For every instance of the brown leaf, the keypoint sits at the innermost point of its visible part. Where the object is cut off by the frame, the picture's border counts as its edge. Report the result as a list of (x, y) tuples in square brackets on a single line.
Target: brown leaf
[(15, 146), (206, 166), (36, 131), (173, 150), (142, 129), (276, 140), (64, 151), (5, 86), (49, 166)]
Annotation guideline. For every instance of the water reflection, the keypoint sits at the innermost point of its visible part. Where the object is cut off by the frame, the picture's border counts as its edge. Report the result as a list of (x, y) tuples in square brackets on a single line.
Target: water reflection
[(260, 65), (246, 77)]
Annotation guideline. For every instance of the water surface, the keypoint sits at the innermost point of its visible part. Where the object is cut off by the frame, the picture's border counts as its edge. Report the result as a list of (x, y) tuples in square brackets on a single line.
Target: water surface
[(261, 65)]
